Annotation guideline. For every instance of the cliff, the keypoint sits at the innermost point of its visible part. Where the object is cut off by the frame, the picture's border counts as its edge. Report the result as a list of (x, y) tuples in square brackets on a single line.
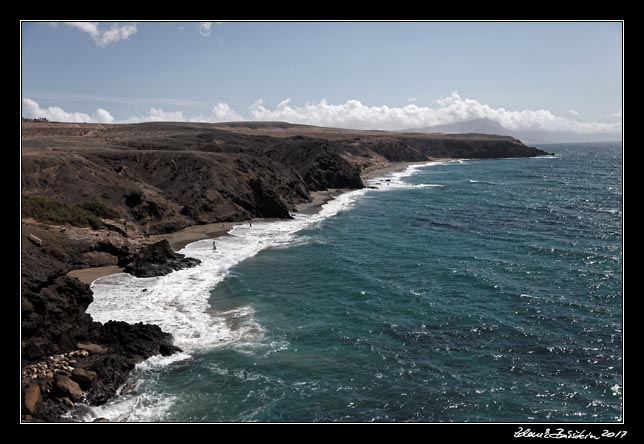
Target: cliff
[(93, 193), (165, 176)]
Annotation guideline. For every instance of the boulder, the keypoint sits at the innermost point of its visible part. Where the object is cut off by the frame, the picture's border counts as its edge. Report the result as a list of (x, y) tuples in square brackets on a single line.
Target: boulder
[(67, 387), (94, 349), (35, 240), (31, 398), (83, 377)]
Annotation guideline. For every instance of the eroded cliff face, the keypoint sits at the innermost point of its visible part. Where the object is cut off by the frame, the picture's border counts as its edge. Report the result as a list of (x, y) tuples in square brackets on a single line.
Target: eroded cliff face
[(166, 176), (97, 191)]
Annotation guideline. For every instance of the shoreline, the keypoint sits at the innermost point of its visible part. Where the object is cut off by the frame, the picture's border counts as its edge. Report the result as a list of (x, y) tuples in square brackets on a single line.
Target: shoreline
[(179, 239)]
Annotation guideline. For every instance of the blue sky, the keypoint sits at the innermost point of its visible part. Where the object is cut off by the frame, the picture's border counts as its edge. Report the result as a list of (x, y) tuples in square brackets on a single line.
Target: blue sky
[(386, 75)]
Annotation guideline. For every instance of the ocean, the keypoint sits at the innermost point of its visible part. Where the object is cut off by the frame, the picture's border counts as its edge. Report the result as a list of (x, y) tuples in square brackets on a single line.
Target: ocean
[(458, 291)]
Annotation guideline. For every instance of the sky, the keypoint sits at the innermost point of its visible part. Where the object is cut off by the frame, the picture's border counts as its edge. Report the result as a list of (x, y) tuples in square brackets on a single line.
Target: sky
[(559, 76)]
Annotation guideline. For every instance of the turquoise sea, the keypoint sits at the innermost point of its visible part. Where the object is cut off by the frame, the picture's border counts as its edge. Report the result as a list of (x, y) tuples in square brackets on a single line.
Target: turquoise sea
[(463, 291)]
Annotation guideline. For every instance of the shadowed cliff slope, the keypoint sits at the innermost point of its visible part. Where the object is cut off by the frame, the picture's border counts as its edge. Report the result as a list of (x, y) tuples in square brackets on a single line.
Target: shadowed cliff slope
[(166, 176)]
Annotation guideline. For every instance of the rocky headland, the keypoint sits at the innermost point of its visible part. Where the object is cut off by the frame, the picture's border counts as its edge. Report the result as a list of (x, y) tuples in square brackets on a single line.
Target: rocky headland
[(96, 195)]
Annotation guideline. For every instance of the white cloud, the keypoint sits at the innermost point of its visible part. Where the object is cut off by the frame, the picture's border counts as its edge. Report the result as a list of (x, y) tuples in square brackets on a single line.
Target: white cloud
[(351, 114), (105, 37), (157, 115), (204, 28), (412, 99), (453, 108), (223, 113), (573, 112), (618, 114), (31, 109)]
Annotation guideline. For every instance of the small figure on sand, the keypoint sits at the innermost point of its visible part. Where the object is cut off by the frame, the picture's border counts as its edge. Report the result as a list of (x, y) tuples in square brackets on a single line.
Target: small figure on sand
[(214, 246), (250, 223)]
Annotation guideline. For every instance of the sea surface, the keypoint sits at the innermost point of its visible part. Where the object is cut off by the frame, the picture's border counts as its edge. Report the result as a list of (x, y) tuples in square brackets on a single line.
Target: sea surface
[(459, 291)]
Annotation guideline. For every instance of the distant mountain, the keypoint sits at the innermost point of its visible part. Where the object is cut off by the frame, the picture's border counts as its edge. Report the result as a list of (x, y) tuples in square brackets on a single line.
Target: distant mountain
[(487, 126), (479, 126)]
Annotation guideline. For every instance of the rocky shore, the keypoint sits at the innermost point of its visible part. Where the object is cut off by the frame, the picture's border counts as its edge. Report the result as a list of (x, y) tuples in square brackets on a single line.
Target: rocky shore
[(103, 196)]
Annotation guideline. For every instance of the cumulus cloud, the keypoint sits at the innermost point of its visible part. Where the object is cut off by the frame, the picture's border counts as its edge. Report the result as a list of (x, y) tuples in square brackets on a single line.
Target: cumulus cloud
[(156, 115), (351, 114), (104, 35), (412, 99), (31, 109), (204, 28), (573, 112), (450, 109), (223, 113)]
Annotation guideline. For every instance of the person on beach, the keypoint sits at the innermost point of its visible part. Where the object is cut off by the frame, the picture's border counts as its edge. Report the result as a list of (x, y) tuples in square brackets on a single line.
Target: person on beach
[(214, 246)]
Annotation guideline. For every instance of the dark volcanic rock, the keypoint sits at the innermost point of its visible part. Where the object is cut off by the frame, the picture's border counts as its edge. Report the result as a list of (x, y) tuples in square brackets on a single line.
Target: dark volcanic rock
[(270, 203), (136, 340), (128, 344), (158, 259), (54, 322), (54, 317)]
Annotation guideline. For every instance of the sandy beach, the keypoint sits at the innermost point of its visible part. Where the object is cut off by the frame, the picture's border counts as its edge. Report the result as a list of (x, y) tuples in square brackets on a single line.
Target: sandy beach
[(89, 275), (179, 239)]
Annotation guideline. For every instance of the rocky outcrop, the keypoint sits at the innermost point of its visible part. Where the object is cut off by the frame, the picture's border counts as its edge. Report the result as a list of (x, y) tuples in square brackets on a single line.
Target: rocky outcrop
[(91, 373), (271, 204), (158, 259), (66, 355)]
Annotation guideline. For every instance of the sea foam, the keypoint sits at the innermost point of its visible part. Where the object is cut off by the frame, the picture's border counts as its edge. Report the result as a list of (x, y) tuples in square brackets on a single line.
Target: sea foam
[(179, 302)]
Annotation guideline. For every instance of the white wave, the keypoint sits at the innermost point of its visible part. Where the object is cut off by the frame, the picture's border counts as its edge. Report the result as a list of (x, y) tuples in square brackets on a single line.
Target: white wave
[(139, 407), (484, 182), (394, 180), (158, 361), (179, 302)]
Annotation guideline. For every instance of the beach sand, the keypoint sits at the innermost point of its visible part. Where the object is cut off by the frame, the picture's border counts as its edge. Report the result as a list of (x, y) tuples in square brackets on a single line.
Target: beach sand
[(181, 238), (89, 275)]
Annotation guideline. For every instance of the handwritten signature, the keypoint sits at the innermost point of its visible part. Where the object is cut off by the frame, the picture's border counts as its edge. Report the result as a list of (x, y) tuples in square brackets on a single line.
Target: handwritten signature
[(567, 434)]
